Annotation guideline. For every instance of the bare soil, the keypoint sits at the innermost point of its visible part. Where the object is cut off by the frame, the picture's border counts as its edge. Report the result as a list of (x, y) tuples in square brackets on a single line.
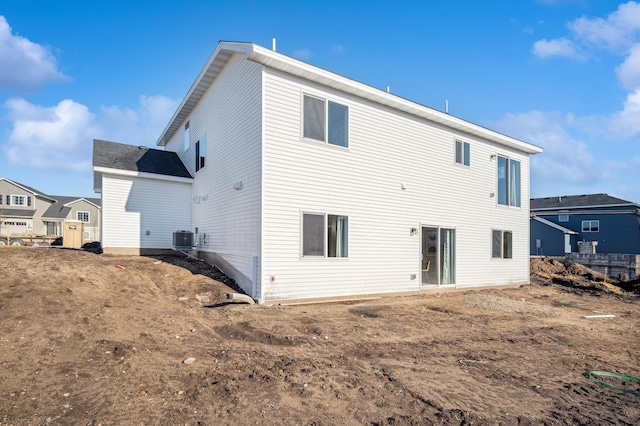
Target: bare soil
[(91, 339)]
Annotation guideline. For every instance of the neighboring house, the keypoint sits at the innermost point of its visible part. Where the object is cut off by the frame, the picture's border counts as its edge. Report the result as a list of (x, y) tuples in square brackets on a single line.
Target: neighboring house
[(300, 183), (27, 212), (598, 222)]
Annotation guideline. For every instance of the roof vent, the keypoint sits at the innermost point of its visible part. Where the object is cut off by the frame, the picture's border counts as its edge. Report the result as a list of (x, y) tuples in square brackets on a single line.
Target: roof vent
[(143, 147)]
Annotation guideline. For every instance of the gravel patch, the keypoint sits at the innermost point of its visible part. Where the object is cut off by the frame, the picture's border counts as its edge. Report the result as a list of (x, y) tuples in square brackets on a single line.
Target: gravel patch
[(501, 304)]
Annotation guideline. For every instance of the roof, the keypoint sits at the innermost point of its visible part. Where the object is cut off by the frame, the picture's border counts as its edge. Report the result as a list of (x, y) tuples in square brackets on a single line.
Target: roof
[(61, 208), (577, 201), (554, 225), (28, 189), (17, 213), (113, 155), (278, 61)]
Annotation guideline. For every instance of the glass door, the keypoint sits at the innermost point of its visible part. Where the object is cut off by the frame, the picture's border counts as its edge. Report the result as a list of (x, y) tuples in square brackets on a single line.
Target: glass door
[(438, 256)]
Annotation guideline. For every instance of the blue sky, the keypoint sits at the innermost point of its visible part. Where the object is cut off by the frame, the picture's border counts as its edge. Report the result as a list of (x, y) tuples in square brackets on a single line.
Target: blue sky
[(561, 74)]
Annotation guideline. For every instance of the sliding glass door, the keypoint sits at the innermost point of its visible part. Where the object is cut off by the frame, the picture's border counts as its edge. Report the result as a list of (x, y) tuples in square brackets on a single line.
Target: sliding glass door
[(438, 256)]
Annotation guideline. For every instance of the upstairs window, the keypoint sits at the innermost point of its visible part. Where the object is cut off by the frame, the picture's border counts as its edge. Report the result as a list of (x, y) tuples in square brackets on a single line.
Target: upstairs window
[(325, 235), (187, 136), (82, 216), (563, 218), (463, 153), (590, 226), (19, 200), (501, 244), (508, 182), (325, 121), (201, 147)]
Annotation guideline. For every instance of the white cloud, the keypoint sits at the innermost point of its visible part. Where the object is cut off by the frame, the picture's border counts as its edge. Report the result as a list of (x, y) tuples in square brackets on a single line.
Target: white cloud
[(141, 126), (50, 137), (616, 32), (60, 137), (25, 65), (626, 123), (629, 71), (557, 47), (302, 53), (564, 159)]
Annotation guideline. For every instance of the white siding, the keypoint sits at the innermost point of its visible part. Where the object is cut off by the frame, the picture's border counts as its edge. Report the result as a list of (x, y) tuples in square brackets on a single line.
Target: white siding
[(132, 206), (387, 149), (230, 115)]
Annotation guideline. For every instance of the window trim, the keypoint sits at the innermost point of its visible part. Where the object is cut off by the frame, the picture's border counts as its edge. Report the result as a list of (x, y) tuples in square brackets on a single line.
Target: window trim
[(83, 212), (325, 236), (326, 131), (201, 148), (506, 244), (590, 227), (26, 198), (508, 202), (187, 136), (464, 149)]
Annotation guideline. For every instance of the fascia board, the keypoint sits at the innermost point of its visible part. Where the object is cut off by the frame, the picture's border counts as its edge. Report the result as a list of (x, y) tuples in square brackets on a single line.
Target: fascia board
[(144, 175)]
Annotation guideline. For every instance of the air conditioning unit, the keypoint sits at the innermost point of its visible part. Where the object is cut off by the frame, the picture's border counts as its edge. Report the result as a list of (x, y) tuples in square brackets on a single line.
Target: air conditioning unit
[(183, 240)]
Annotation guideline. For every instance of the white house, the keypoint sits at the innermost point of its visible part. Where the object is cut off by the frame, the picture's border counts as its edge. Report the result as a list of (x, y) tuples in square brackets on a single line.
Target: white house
[(301, 183)]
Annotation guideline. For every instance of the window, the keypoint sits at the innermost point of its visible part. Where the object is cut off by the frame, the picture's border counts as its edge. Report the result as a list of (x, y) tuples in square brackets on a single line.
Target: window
[(563, 218), (15, 223), (325, 235), (201, 146), (463, 153), (325, 121), (187, 137), (508, 182), (501, 244), (0, 199), (19, 200), (87, 236), (82, 216), (590, 226)]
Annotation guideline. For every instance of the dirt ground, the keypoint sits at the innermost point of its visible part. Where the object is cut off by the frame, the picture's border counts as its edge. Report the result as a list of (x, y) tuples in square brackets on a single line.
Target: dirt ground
[(91, 339)]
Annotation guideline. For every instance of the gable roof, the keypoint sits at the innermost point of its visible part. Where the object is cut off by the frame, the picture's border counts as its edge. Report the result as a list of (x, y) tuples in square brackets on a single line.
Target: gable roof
[(278, 61), (61, 208), (113, 155), (577, 201), (28, 189)]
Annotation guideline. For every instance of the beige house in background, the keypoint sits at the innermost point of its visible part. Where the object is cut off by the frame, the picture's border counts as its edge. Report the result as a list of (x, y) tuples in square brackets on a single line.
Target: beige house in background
[(26, 212)]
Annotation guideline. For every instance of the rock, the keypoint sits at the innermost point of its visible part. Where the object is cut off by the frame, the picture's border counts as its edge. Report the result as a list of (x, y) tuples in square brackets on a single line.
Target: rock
[(189, 361), (202, 299), (183, 299)]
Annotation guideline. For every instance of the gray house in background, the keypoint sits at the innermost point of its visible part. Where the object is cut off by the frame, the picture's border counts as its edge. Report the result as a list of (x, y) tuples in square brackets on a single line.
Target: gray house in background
[(27, 213), (596, 223)]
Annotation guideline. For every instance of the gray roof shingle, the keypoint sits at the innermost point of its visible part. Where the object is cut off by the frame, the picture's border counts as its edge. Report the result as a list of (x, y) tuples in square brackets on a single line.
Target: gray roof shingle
[(17, 213), (120, 156), (576, 201), (58, 210)]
